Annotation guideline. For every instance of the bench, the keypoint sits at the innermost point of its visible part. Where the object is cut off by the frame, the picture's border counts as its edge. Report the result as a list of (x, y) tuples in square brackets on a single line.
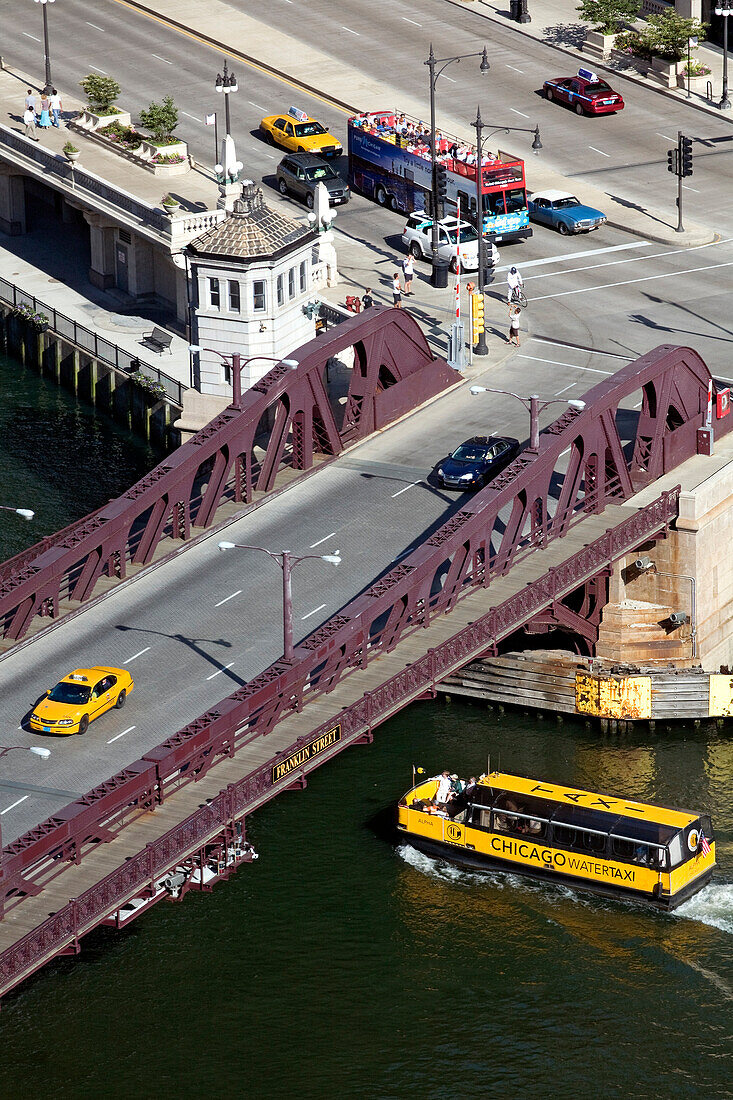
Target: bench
[(158, 340)]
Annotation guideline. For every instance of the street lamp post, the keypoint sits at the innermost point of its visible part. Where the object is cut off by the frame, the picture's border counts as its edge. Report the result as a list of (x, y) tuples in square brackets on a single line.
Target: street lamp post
[(439, 276), (47, 54), (723, 9), (229, 167), (287, 562), (26, 513), (37, 750), (225, 85), (534, 406), (235, 363)]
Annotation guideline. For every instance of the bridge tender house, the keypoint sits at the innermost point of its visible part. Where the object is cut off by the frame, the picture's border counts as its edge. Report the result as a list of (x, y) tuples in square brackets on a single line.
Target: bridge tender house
[(308, 752)]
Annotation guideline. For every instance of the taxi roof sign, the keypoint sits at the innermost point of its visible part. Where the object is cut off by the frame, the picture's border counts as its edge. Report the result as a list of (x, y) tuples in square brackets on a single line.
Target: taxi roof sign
[(587, 74), (301, 116)]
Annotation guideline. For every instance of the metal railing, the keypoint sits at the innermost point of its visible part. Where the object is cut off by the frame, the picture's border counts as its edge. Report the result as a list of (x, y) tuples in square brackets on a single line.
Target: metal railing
[(103, 350)]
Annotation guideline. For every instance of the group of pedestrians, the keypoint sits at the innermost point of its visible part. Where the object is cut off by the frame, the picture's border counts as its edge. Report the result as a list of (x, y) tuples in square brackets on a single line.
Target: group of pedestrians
[(41, 111)]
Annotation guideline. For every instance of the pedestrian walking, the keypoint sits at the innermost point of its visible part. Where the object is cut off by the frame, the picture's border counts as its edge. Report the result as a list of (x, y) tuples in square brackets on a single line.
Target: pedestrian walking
[(514, 325), (29, 118), (56, 108), (396, 291), (408, 270), (366, 299), (30, 100), (45, 118)]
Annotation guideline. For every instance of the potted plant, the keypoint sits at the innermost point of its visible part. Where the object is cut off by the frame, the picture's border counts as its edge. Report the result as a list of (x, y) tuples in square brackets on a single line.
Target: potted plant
[(698, 73), (71, 152), (161, 120), (608, 16), (101, 93), (663, 42), (169, 204)]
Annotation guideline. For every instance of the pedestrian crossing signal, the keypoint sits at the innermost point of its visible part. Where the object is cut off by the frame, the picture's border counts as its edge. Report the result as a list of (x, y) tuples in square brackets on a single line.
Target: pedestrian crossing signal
[(477, 316), (441, 180), (672, 161)]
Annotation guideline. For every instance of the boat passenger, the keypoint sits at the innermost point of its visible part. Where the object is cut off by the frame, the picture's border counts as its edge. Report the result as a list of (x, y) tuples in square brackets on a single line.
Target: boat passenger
[(444, 792)]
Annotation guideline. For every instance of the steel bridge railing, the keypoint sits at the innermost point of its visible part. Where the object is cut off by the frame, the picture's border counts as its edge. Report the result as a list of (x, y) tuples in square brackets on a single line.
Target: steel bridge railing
[(103, 350)]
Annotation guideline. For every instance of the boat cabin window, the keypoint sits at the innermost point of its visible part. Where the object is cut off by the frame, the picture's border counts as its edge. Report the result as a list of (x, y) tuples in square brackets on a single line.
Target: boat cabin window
[(643, 842), (521, 815), (581, 828)]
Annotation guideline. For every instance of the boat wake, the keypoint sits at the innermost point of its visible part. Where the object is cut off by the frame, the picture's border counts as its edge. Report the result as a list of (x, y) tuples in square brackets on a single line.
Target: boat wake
[(713, 906)]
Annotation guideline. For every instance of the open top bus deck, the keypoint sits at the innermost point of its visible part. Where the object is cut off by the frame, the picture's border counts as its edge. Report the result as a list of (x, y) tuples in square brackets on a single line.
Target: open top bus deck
[(394, 168)]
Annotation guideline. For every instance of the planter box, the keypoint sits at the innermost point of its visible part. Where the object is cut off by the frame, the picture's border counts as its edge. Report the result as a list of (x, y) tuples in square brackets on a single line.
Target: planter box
[(663, 72), (599, 45), (175, 149), (698, 84), (166, 170), (87, 120)]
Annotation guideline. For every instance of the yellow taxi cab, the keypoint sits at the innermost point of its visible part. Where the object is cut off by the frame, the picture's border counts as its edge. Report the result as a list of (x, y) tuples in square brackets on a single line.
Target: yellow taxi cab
[(80, 698), (299, 133)]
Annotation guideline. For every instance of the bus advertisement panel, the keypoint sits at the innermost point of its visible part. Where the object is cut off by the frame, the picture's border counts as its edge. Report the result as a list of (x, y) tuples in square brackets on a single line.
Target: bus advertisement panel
[(394, 169)]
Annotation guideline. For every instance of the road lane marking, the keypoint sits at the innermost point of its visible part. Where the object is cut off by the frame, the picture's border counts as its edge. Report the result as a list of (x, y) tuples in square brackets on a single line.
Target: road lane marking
[(581, 255), (516, 70), (401, 491), (406, 20), (313, 545), (136, 655), (227, 598), (343, 28), (516, 112), (94, 25), (555, 363), (102, 71), (451, 79), (599, 151), (14, 804), (163, 59), (219, 671), (194, 117), (665, 137), (686, 187), (632, 282), (118, 735), (270, 156), (565, 390), (258, 106), (579, 347), (35, 40), (313, 612)]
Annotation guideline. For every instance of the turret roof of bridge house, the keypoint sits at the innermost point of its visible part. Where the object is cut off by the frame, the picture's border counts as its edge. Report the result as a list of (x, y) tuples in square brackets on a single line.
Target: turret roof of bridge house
[(252, 230)]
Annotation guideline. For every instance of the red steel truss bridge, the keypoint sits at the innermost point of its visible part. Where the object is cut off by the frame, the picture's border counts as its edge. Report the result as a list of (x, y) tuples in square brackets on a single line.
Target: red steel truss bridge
[(534, 546)]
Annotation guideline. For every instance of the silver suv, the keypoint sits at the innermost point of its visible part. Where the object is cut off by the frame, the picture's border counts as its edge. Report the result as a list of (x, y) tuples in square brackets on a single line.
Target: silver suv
[(417, 239), (300, 174)]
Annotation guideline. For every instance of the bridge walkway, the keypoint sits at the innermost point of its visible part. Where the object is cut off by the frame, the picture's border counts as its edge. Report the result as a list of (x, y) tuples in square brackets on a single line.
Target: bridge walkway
[(182, 803)]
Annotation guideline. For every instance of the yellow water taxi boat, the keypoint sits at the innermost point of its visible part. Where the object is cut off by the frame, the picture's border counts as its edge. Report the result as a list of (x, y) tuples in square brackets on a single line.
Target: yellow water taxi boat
[(603, 843)]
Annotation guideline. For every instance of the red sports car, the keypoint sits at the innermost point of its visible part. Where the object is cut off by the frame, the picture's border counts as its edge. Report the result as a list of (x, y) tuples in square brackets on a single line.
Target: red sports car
[(586, 92)]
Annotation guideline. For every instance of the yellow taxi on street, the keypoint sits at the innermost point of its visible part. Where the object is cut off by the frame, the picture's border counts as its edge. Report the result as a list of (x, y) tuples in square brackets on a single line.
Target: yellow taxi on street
[(80, 698), (299, 133)]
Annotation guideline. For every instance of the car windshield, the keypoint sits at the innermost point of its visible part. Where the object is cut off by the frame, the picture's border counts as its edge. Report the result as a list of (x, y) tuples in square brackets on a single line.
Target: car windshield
[(308, 129), (469, 452), (322, 173), (567, 200), (600, 86), (71, 694), (468, 233)]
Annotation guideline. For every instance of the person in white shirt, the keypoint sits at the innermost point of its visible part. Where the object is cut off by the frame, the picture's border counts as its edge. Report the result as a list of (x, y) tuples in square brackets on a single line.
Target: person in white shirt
[(56, 107), (29, 120), (445, 788), (514, 282)]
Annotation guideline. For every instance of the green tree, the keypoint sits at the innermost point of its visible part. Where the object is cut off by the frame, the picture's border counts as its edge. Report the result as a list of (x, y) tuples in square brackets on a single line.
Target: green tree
[(101, 92), (607, 16), (667, 34), (161, 119)]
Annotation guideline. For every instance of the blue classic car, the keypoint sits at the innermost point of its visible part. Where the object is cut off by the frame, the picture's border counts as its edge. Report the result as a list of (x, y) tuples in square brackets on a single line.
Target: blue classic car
[(562, 211), (476, 462)]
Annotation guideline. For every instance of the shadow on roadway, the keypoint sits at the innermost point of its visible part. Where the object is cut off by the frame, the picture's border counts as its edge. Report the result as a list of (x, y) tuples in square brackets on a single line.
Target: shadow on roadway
[(194, 645)]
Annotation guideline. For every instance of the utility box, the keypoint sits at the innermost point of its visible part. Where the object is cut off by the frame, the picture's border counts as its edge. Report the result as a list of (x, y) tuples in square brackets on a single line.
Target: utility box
[(705, 441)]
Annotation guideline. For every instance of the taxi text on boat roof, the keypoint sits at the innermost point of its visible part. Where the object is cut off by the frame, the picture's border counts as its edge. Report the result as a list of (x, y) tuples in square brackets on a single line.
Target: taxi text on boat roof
[(603, 843)]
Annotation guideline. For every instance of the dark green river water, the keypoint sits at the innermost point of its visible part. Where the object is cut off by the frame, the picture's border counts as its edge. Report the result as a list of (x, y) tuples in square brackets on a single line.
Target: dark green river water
[(342, 965)]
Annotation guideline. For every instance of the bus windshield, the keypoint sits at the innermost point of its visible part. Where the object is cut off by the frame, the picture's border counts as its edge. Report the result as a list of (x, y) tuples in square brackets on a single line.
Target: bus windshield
[(505, 202), (308, 129)]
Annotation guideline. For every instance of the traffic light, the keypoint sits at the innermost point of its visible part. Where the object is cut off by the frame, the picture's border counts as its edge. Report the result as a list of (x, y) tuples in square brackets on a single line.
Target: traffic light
[(685, 156), (477, 315), (672, 161), (441, 182)]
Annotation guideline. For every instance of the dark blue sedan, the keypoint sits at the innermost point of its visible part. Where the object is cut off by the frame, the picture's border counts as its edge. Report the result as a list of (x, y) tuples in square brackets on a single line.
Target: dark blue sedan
[(476, 462), (564, 212)]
